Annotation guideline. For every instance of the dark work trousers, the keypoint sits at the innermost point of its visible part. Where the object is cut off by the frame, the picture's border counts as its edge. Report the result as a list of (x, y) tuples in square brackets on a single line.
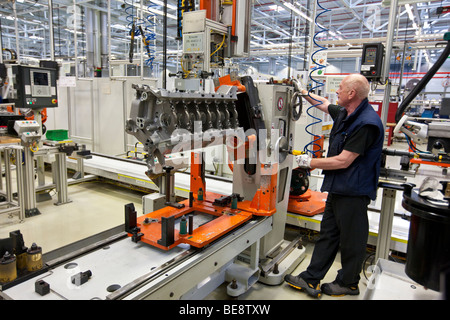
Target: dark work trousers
[(344, 226)]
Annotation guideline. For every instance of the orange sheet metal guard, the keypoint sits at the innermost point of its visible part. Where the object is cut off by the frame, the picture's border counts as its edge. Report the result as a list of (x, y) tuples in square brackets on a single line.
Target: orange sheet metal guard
[(226, 80), (226, 218), (211, 8)]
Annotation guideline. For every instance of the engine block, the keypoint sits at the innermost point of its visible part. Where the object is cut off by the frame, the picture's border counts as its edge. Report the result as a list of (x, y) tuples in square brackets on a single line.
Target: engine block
[(159, 118)]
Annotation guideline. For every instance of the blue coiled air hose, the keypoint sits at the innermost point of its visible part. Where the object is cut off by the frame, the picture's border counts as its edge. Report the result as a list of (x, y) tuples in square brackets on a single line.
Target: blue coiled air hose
[(309, 148)]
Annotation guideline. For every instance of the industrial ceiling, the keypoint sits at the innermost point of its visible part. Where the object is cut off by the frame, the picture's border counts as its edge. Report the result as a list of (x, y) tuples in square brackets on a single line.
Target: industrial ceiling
[(280, 30)]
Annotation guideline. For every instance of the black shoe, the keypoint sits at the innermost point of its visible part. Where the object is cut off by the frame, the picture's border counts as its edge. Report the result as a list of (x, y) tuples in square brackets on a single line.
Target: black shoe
[(301, 284), (336, 290)]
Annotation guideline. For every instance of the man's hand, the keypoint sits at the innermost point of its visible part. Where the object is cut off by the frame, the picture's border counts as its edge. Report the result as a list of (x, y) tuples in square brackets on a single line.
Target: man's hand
[(303, 161), (299, 87)]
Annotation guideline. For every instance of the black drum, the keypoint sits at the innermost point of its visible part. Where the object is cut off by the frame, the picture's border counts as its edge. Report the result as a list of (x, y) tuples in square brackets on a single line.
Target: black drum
[(428, 252)]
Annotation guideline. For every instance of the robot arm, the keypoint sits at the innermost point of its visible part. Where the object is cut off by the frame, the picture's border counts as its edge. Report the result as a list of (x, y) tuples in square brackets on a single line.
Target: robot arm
[(417, 131)]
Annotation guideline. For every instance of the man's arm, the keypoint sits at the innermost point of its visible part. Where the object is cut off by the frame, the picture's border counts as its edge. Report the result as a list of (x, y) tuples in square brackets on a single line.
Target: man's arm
[(357, 144), (341, 161), (323, 106)]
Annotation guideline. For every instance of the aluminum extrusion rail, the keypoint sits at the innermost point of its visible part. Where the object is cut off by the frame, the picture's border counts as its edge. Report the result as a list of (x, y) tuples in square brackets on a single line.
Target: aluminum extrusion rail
[(142, 280), (185, 269)]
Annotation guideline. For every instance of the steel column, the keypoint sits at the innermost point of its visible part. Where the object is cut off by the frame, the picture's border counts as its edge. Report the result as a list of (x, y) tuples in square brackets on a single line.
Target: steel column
[(387, 60), (385, 224), (60, 172), (28, 180), (20, 184)]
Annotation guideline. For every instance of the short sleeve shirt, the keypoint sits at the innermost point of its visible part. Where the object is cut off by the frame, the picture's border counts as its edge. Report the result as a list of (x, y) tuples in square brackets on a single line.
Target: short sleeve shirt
[(360, 140)]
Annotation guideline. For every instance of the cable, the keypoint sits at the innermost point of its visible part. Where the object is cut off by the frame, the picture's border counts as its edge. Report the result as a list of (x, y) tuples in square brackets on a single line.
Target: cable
[(150, 36), (186, 73), (371, 255), (130, 18), (144, 28), (422, 83), (129, 10), (34, 147), (413, 147), (220, 46), (319, 66)]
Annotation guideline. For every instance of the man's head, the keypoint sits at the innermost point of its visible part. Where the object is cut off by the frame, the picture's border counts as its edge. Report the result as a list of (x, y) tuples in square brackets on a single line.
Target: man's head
[(353, 89)]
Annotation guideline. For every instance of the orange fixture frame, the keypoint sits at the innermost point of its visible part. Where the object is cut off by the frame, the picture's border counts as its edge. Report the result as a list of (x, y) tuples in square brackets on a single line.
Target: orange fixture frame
[(150, 227), (418, 160), (431, 163), (226, 220), (308, 204)]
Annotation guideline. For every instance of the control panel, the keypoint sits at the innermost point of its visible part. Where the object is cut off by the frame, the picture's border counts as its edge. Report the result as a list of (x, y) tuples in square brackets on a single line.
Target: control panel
[(372, 61), (28, 130), (35, 87)]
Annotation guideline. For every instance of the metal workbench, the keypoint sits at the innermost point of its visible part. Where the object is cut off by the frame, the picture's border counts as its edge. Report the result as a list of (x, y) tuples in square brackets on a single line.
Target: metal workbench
[(122, 269)]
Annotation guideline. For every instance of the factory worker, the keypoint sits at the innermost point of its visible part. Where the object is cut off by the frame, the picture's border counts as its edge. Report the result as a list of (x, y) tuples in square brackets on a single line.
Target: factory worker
[(351, 170)]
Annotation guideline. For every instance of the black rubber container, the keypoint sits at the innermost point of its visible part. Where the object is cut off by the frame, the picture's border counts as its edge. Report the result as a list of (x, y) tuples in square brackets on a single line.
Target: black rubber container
[(428, 252)]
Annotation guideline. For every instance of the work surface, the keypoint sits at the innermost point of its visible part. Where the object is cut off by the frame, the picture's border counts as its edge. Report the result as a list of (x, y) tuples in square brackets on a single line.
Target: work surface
[(112, 266), (5, 140)]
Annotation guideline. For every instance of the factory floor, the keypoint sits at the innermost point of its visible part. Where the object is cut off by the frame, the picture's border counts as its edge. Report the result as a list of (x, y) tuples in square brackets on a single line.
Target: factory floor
[(283, 291), (98, 206)]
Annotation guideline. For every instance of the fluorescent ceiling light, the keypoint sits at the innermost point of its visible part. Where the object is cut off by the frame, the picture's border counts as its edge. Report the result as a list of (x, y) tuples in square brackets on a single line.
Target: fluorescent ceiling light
[(387, 3), (119, 26), (276, 7), (150, 9), (409, 11), (411, 17), (169, 6)]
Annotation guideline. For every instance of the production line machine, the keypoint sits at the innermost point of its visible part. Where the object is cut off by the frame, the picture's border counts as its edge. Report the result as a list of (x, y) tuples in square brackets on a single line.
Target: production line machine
[(435, 132), (32, 89), (427, 254), (237, 237), (185, 249), (255, 122)]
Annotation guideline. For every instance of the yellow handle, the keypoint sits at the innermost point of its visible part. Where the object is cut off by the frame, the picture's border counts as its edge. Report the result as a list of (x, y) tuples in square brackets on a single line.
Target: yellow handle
[(297, 152)]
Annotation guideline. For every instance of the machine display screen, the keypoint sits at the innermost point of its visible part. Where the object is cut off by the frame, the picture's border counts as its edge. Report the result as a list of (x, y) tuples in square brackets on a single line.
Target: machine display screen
[(40, 82), (371, 54), (40, 78), (35, 87)]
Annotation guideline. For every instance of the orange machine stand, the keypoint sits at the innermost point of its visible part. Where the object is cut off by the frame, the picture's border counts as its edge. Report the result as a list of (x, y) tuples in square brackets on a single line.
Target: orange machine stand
[(308, 204), (311, 202), (225, 218)]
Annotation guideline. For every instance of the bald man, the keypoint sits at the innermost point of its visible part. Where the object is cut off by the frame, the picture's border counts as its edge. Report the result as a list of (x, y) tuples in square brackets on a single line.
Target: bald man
[(351, 171)]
